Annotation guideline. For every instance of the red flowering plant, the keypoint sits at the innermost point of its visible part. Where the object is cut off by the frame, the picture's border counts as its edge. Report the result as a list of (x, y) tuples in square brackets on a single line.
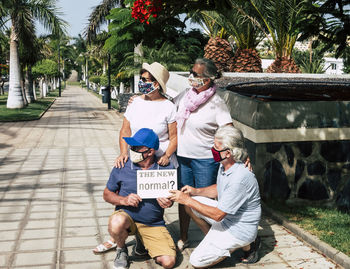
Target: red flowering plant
[(4, 69), (144, 10)]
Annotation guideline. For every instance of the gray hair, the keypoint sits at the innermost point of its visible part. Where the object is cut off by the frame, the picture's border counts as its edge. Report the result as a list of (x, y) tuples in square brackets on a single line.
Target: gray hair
[(210, 69), (232, 139)]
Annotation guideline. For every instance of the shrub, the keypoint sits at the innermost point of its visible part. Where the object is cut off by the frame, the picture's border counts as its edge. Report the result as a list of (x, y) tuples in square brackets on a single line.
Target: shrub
[(95, 79)]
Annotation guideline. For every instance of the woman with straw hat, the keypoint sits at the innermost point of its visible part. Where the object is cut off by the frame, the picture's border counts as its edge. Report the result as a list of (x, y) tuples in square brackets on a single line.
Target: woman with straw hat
[(154, 111)]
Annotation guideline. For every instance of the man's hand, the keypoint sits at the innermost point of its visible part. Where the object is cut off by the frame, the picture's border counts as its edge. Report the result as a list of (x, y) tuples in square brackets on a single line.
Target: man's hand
[(179, 196), (164, 202), (121, 160), (189, 190), (132, 200), (164, 160)]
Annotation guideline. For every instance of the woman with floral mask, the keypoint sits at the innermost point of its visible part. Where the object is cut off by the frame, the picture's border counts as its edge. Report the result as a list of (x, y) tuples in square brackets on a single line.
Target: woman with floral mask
[(150, 110), (200, 112)]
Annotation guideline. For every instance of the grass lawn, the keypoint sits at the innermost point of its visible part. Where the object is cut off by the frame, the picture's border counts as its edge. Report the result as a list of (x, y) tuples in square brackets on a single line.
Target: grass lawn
[(30, 112), (329, 225), (74, 83)]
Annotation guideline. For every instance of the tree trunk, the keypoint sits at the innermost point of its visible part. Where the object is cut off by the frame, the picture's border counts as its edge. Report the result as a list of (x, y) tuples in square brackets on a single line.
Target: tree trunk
[(87, 74), (121, 88), (283, 65), (104, 68), (2, 87), (41, 87), (45, 87), (34, 91), (23, 91), (15, 98), (29, 85)]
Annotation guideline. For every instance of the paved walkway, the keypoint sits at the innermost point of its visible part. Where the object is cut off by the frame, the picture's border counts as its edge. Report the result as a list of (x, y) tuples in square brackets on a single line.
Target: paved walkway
[(52, 173)]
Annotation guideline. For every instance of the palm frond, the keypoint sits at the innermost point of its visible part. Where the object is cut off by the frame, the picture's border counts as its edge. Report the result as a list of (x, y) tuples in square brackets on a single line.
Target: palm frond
[(99, 16), (47, 13)]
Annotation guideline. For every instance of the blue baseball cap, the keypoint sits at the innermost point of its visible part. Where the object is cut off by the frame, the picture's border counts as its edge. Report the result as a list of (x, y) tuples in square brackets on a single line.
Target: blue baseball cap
[(144, 137)]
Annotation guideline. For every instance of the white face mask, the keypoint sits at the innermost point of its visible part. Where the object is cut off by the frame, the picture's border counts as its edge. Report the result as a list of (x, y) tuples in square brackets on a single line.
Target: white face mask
[(137, 157), (195, 82)]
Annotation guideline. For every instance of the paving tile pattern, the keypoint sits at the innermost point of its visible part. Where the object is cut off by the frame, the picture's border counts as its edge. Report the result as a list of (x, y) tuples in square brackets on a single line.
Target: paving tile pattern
[(52, 214)]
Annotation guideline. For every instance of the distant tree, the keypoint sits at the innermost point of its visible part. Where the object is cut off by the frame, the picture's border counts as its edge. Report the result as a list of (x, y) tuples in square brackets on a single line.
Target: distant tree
[(22, 14), (310, 61), (329, 21), (346, 59), (167, 55)]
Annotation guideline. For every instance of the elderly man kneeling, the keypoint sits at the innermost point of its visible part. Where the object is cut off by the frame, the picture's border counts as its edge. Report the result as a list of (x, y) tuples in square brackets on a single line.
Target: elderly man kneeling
[(231, 221)]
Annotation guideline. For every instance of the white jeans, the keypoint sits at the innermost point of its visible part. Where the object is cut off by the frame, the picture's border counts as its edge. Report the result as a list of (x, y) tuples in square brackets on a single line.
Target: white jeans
[(217, 244)]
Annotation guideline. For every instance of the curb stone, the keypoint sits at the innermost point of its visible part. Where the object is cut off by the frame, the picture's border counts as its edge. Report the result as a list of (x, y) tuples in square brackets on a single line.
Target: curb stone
[(332, 253)]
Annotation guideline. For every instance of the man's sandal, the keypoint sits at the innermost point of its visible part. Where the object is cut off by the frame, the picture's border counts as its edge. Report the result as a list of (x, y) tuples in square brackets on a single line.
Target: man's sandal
[(252, 255), (104, 247), (181, 245)]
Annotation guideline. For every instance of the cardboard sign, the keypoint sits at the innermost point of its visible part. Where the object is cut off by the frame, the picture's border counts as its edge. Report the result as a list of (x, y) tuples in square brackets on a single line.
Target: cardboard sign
[(156, 183)]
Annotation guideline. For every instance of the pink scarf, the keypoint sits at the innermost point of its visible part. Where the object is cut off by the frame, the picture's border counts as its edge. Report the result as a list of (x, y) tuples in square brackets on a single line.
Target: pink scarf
[(192, 100)]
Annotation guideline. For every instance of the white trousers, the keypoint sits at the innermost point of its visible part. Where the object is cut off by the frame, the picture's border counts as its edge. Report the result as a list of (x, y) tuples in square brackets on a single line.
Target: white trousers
[(217, 244)]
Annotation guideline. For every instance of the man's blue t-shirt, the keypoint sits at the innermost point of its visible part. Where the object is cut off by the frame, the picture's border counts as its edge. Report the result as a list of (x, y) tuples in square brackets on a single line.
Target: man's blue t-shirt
[(124, 181)]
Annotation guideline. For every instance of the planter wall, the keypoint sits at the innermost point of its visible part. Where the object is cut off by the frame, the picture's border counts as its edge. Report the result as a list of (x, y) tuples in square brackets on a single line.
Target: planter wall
[(298, 149)]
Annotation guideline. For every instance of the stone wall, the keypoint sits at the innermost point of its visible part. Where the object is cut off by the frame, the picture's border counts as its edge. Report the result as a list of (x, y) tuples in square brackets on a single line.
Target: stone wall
[(123, 100), (307, 170)]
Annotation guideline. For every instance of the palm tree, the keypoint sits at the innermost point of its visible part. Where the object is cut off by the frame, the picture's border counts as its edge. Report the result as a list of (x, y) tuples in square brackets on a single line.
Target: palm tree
[(81, 52), (217, 49), (22, 14), (98, 51), (4, 53), (29, 54), (244, 34), (278, 20)]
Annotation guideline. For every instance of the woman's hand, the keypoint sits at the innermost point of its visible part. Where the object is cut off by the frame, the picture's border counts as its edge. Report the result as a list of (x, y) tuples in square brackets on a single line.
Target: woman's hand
[(131, 99), (121, 160), (248, 164), (164, 160)]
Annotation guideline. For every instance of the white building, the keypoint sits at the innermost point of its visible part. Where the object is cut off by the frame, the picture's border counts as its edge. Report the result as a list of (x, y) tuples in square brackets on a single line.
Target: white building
[(332, 66)]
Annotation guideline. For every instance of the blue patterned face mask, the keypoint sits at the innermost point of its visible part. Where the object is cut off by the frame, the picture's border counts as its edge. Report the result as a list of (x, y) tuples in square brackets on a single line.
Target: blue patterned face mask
[(146, 87)]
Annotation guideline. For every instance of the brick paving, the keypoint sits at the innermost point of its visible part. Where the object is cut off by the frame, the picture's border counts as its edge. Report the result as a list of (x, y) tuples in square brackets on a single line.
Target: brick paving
[(52, 174)]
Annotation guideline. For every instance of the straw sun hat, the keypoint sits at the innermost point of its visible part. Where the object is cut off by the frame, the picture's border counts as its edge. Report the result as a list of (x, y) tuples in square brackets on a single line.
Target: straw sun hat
[(159, 72)]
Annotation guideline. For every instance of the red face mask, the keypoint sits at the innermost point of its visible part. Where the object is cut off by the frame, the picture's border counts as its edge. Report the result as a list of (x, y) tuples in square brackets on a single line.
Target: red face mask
[(217, 155)]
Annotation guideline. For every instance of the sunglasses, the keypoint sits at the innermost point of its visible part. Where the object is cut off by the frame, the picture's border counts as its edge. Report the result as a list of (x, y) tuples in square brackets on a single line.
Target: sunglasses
[(137, 149), (145, 79), (194, 74)]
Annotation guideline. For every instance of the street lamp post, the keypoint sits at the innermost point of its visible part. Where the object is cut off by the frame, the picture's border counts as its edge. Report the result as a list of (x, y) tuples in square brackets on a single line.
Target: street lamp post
[(109, 75), (59, 67), (109, 80)]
